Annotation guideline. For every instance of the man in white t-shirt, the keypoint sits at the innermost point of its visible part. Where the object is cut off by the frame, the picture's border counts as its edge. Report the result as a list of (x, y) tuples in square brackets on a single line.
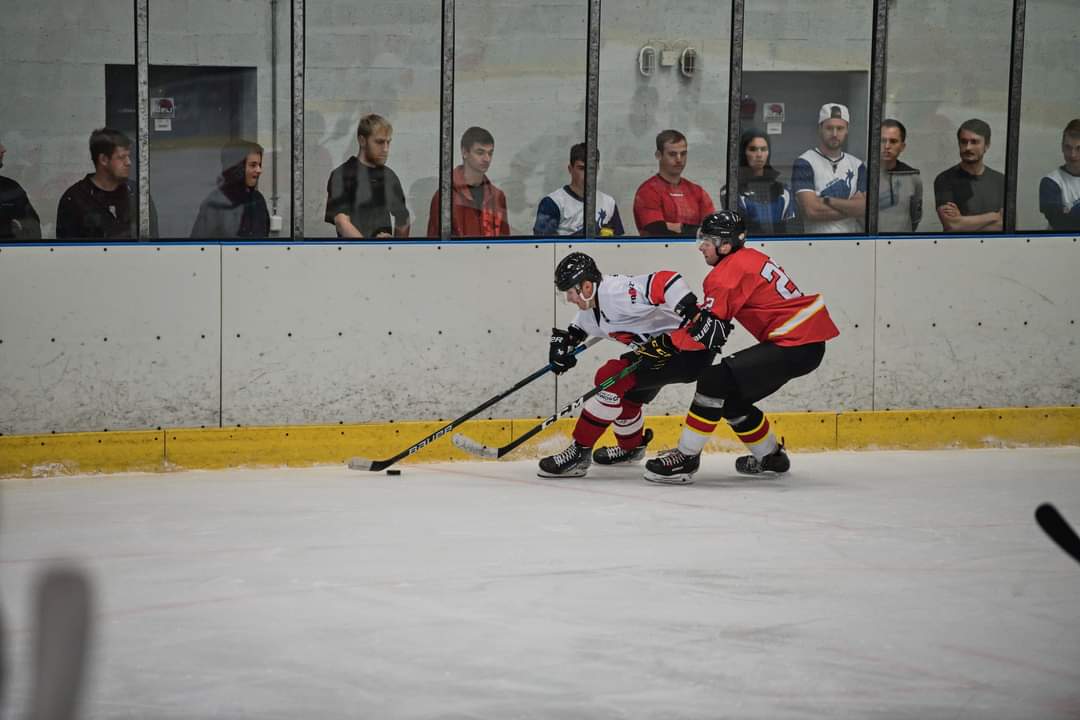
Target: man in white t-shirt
[(563, 211), (1059, 191), (829, 184)]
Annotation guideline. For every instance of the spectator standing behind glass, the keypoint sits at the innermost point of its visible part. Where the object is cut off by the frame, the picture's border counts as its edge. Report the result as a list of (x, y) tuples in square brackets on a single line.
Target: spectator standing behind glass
[(667, 203), (969, 196), (104, 204), (236, 208), (18, 219), (563, 211), (900, 195), (478, 208), (829, 184), (1059, 192), (363, 193), (765, 203)]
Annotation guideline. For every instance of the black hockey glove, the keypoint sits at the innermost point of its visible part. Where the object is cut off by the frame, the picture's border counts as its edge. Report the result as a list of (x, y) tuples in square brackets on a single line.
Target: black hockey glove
[(709, 330), (655, 353), (561, 351), (687, 308)]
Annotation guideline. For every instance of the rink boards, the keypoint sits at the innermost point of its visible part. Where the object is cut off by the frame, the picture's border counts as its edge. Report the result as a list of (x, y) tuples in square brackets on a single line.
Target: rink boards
[(140, 337)]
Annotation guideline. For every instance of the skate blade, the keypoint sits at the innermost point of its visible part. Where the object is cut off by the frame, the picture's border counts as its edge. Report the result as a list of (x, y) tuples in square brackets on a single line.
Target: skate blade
[(678, 479)]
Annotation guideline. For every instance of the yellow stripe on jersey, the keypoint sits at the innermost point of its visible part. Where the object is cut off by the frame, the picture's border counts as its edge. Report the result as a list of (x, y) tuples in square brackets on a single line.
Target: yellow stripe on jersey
[(799, 318)]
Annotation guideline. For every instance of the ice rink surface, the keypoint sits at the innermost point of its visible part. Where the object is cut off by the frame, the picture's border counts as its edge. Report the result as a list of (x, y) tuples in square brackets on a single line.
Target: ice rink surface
[(861, 585)]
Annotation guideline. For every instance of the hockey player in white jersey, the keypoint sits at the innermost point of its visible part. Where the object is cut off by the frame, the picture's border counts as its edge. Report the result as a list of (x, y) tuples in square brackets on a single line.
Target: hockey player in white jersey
[(630, 310)]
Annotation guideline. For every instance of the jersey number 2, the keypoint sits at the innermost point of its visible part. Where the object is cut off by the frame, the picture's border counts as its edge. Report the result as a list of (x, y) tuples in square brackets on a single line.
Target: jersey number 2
[(772, 272)]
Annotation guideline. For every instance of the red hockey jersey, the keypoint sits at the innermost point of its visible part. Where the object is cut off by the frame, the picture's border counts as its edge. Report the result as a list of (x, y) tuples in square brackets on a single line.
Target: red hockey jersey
[(749, 287)]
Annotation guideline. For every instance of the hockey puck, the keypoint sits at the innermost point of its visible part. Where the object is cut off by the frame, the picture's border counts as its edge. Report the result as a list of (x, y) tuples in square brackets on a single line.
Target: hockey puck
[(393, 472)]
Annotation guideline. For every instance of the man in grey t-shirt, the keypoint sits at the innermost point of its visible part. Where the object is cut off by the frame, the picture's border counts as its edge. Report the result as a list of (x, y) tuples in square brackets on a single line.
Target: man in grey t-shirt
[(970, 196), (900, 196)]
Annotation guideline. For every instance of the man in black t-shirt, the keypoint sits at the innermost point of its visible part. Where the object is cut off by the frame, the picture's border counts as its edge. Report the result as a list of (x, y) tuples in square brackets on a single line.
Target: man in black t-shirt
[(970, 196), (104, 205), (364, 198), (18, 219)]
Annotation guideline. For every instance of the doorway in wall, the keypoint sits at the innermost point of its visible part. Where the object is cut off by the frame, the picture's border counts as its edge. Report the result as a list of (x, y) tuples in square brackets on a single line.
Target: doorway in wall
[(195, 111)]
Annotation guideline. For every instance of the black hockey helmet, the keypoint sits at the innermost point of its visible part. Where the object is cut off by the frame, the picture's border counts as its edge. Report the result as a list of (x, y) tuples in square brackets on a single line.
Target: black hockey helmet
[(726, 226), (574, 269)]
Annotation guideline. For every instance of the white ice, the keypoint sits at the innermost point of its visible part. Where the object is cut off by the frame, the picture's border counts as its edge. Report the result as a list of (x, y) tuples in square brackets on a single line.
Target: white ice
[(861, 585)]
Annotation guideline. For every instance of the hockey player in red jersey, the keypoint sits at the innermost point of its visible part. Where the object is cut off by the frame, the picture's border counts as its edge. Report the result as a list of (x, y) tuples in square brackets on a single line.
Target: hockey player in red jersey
[(630, 310), (791, 329)]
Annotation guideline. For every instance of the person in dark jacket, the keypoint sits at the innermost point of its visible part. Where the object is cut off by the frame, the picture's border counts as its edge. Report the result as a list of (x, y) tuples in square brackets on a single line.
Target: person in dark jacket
[(236, 209), (764, 202), (104, 205), (18, 219)]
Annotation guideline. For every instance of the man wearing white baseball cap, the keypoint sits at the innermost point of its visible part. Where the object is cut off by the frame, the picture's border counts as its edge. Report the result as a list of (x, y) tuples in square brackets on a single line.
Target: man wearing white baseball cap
[(829, 184)]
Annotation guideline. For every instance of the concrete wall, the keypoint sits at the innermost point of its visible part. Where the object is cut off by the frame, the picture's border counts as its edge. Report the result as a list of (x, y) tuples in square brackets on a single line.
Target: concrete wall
[(129, 337), (520, 72)]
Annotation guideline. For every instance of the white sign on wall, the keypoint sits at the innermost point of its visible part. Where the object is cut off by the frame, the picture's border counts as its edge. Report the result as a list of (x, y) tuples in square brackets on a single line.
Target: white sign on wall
[(773, 112)]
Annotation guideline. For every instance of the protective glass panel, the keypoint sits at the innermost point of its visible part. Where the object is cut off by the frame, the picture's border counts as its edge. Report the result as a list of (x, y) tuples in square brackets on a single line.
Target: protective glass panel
[(519, 107), (948, 68), (1048, 185), (804, 113), (220, 119), (68, 69), (662, 70), (371, 116)]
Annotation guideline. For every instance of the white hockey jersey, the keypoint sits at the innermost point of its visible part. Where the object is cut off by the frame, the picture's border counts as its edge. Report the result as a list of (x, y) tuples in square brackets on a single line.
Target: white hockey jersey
[(632, 309)]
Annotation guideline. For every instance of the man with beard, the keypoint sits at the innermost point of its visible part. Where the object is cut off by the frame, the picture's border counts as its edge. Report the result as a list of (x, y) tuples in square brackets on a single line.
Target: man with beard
[(103, 205), (829, 184), (364, 198), (969, 196), (236, 209)]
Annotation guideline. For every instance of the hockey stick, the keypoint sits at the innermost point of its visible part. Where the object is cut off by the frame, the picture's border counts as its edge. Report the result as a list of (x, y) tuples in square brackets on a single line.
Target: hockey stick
[(1051, 521), (471, 446), (359, 463), (61, 643)]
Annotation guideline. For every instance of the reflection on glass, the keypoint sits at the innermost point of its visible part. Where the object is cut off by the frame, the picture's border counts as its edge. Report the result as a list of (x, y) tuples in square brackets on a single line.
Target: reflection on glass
[(219, 119), (900, 195), (1048, 183), (519, 105), (663, 64), (969, 196), (563, 212), (947, 63), (668, 203), (366, 60), (59, 84)]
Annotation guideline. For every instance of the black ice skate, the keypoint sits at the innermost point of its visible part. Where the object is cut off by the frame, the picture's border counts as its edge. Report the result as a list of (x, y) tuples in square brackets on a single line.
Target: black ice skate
[(617, 456), (776, 461), (574, 461), (672, 468)]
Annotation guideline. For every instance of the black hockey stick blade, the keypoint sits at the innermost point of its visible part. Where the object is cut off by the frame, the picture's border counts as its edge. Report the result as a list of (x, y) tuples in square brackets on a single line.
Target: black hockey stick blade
[(359, 463), (480, 450), (61, 644), (1054, 525)]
